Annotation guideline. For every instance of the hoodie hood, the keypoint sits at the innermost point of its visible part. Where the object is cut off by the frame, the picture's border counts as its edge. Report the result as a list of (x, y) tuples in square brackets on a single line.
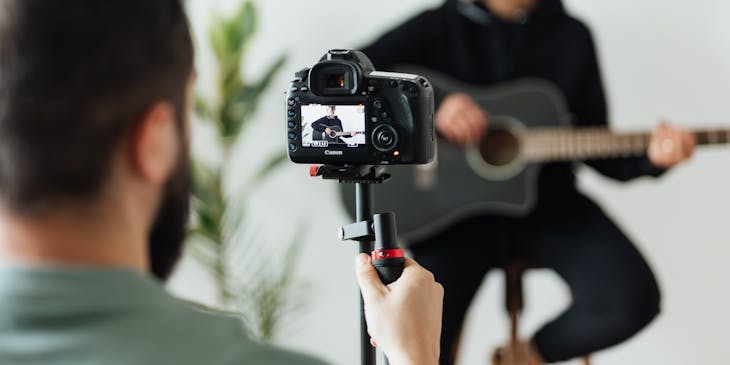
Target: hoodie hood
[(477, 12), (550, 7)]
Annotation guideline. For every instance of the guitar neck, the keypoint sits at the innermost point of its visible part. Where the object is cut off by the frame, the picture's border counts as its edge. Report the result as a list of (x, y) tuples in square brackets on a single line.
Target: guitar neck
[(344, 134), (571, 144)]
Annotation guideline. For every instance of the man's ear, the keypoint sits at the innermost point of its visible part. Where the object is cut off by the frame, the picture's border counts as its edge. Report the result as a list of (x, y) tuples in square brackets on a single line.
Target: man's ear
[(154, 144)]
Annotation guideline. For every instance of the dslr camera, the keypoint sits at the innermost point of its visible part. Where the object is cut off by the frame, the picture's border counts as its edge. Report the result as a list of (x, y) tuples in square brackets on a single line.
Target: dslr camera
[(343, 112)]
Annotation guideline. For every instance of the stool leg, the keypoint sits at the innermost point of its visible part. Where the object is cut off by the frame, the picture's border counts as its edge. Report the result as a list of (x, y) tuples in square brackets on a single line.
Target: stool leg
[(514, 303), (514, 299), (514, 323)]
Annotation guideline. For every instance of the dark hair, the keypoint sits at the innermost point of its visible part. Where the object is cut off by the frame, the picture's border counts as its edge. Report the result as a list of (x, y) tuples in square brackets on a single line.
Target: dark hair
[(74, 77)]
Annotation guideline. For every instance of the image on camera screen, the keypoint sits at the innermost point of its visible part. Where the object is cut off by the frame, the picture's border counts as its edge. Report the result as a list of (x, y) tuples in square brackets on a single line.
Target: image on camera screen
[(333, 125)]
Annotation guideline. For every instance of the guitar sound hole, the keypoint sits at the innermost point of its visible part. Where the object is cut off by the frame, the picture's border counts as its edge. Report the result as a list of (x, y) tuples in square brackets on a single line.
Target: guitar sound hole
[(500, 148)]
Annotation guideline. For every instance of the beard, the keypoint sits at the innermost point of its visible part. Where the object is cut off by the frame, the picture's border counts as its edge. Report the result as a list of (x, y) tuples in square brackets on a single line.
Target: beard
[(169, 230)]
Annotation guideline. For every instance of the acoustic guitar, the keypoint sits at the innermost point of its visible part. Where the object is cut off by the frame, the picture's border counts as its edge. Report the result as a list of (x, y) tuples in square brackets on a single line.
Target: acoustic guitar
[(529, 126), (336, 131)]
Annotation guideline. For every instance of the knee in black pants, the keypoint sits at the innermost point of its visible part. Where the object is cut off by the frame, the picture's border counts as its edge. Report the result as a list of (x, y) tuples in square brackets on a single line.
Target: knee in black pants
[(632, 312)]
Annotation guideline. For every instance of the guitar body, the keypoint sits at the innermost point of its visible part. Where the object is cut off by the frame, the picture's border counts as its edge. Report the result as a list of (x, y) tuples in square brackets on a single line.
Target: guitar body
[(458, 185)]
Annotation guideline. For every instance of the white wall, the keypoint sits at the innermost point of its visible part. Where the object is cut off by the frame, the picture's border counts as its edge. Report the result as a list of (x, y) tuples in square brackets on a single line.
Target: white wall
[(660, 58)]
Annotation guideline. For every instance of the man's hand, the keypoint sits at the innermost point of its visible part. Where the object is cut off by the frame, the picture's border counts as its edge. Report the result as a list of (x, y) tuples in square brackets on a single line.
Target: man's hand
[(404, 318), (328, 131), (669, 146), (461, 121)]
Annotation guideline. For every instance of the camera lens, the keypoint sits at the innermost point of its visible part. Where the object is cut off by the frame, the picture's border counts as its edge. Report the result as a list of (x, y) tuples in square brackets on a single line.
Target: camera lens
[(385, 138)]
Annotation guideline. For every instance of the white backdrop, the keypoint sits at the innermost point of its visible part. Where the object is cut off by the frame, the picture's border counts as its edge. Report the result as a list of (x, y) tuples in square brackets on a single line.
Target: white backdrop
[(661, 59)]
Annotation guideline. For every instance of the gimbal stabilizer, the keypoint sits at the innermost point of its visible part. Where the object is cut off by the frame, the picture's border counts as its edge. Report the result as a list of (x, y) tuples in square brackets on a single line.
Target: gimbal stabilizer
[(375, 233)]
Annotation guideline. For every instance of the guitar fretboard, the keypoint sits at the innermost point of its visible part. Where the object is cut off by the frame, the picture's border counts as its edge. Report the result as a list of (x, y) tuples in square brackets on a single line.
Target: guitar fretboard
[(566, 144)]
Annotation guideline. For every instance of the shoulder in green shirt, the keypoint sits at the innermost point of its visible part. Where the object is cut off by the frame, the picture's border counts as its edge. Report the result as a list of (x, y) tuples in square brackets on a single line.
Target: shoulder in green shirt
[(81, 316)]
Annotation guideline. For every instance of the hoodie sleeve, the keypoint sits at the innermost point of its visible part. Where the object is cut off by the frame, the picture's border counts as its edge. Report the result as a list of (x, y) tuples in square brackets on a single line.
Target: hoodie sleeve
[(591, 110), (412, 43), (408, 43), (320, 124)]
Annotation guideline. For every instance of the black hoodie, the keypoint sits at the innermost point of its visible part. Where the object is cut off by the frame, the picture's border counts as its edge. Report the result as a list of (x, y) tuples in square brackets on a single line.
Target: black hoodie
[(468, 43)]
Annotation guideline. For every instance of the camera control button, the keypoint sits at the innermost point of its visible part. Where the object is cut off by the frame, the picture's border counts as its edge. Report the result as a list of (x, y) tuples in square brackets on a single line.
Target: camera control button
[(305, 89), (292, 147), (291, 102), (291, 124), (374, 119), (378, 104), (384, 114), (371, 89), (294, 89), (292, 113), (292, 135), (385, 138)]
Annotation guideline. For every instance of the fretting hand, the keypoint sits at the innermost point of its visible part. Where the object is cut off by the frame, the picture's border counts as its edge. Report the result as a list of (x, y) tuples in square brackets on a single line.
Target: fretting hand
[(670, 146), (461, 121)]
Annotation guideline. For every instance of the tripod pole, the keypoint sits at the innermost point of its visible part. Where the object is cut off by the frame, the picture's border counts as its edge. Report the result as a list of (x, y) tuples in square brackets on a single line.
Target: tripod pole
[(364, 212)]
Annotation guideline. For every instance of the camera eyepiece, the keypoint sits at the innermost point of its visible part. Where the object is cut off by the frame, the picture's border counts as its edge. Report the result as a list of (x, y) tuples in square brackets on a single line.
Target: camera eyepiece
[(335, 78)]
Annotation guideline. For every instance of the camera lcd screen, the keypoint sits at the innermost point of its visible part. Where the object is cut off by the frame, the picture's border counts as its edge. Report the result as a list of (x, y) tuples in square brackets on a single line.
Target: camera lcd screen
[(333, 126)]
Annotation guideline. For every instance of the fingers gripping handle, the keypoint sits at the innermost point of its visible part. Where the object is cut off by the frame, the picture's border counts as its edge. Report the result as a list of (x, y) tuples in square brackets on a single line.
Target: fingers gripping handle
[(388, 257)]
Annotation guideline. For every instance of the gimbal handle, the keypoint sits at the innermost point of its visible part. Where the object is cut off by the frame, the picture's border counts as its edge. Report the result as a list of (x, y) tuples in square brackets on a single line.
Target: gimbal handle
[(388, 257)]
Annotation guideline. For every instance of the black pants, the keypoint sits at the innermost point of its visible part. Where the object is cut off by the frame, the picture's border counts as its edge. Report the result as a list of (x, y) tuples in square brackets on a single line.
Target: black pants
[(614, 291)]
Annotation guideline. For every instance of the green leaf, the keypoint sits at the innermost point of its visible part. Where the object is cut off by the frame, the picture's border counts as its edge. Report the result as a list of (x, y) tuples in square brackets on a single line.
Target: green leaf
[(229, 36), (263, 172), (240, 104), (202, 109), (201, 254), (264, 289)]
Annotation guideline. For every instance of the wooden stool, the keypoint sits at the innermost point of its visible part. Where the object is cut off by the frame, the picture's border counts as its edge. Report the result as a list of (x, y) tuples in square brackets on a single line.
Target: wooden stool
[(515, 303)]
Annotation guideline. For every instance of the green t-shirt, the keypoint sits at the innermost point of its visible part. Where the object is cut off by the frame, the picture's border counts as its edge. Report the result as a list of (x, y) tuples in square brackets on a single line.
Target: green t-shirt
[(80, 316)]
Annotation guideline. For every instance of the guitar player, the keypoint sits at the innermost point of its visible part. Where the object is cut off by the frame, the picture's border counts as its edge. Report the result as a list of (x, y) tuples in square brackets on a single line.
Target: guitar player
[(323, 127), (614, 291)]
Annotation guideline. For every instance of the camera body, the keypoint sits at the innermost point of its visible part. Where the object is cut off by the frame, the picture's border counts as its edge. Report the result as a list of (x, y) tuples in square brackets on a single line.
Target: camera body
[(343, 112)]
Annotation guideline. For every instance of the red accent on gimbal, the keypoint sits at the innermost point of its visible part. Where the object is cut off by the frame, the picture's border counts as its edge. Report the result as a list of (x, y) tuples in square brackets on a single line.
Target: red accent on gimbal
[(388, 254)]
